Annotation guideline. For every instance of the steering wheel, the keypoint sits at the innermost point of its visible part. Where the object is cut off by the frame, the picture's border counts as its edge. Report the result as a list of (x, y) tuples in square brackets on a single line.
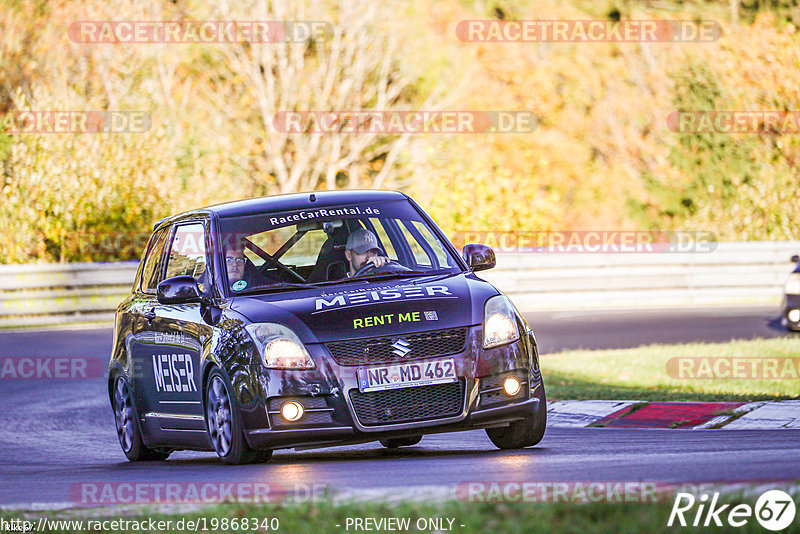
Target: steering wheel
[(369, 266)]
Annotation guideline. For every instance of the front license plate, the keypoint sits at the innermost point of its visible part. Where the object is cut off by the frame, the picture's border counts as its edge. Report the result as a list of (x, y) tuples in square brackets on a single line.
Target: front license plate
[(405, 375)]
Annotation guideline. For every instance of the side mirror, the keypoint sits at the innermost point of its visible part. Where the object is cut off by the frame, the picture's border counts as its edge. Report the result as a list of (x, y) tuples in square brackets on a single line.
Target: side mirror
[(178, 290), (479, 257), (795, 259)]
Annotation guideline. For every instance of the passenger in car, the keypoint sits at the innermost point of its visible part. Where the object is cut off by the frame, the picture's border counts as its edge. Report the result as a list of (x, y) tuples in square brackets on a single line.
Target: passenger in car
[(242, 274)]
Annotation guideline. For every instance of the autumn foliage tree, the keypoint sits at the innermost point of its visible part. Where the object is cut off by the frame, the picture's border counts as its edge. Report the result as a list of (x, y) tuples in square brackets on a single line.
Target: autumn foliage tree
[(602, 156)]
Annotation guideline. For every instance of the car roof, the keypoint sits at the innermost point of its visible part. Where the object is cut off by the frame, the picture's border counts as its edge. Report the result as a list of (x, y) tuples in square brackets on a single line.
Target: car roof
[(289, 202)]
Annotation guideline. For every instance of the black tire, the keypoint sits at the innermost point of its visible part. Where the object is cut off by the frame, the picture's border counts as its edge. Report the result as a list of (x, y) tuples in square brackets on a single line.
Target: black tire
[(224, 424), (128, 432), (393, 443), (525, 433)]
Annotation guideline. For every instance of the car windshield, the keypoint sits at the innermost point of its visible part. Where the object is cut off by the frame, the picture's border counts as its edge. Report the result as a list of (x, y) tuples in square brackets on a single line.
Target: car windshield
[(284, 251)]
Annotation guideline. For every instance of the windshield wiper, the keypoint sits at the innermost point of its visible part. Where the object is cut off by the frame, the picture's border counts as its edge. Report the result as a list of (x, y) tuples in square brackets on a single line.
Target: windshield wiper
[(339, 281), (396, 274), (274, 287), (379, 276), (438, 276)]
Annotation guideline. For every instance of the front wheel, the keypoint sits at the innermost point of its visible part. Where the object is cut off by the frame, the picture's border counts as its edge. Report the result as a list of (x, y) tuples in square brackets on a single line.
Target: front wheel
[(130, 437), (525, 433), (225, 427)]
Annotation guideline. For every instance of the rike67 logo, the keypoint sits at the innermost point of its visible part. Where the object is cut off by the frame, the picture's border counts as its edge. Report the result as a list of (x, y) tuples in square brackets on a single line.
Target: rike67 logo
[(774, 510)]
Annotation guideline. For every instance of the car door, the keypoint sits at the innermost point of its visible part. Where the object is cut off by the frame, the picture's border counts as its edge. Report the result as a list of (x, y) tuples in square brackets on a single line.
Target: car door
[(179, 333), (142, 310)]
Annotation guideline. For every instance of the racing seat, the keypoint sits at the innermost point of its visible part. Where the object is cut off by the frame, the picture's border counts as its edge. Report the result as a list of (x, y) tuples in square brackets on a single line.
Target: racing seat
[(331, 262)]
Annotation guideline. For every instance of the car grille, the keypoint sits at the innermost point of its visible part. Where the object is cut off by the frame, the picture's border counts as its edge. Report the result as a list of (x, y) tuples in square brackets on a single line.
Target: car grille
[(408, 404), (380, 350)]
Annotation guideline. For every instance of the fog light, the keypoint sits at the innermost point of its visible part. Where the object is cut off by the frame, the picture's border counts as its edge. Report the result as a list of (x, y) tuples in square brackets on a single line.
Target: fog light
[(511, 386), (794, 315), (292, 411)]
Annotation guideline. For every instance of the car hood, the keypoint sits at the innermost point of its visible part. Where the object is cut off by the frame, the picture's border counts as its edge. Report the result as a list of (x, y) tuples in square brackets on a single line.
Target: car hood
[(372, 308)]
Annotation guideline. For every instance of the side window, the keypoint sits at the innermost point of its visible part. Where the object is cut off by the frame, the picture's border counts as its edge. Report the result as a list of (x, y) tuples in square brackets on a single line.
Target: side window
[(154, 263), (187, 253)]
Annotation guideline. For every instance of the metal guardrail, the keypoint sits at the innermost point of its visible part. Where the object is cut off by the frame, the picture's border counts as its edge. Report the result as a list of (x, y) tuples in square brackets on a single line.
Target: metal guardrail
[(734, 273), (746, 272), (53, 293)]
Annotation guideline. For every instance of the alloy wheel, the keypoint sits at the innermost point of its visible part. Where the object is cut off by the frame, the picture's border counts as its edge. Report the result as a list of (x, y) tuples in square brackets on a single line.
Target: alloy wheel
[(219, 416), (123, 414)]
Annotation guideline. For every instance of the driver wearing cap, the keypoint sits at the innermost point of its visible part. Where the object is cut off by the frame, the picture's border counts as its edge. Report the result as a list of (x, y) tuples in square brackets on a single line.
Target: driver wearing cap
[(362, 248)]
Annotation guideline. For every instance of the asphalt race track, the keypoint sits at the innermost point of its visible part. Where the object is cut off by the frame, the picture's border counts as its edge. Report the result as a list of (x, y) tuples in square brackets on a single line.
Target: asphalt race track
[(57, 434), (615, 329)]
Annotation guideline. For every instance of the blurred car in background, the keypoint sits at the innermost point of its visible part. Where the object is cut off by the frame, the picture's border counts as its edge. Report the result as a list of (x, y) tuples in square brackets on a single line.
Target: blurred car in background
[(791, 297)]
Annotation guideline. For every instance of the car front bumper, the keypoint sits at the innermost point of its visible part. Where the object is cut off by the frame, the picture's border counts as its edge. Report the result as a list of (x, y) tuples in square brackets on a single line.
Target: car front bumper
[(332, 436), (332, 418)]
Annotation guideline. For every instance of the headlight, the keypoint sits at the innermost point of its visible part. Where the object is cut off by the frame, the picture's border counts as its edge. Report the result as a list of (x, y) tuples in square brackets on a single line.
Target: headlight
[(793, 285), (280, 348), (499, 322)]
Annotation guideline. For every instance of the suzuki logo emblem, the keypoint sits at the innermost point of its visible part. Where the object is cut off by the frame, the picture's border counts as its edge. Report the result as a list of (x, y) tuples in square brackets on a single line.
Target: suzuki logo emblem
[(401, 348)]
